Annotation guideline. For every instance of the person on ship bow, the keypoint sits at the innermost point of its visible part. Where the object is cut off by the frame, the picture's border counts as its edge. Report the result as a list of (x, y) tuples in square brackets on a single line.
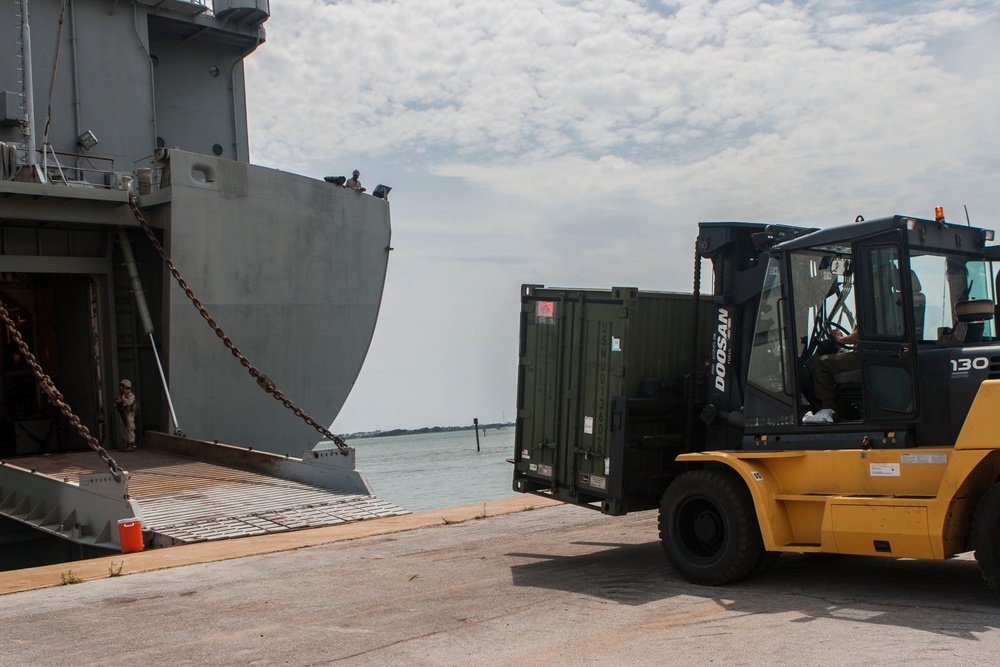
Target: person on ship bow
[(355, 181)]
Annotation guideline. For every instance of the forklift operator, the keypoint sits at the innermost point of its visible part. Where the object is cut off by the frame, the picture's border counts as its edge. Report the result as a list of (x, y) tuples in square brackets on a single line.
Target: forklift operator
[(824, 373)]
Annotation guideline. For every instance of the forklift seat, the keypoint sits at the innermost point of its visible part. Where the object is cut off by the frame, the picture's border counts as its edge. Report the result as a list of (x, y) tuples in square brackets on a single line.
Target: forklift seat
[(919, 305)]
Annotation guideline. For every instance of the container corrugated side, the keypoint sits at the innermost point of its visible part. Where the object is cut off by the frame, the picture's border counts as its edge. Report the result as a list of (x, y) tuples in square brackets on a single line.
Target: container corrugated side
[(579, 350)]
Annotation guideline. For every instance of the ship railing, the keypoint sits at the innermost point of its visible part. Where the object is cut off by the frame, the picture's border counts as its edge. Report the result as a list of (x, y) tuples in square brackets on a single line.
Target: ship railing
[(91, 171), (250, 13), (241, 12), (190, 7)]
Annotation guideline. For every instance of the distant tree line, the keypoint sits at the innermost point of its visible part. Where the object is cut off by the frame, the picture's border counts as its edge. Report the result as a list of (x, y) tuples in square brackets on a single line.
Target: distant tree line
[(426, 429)]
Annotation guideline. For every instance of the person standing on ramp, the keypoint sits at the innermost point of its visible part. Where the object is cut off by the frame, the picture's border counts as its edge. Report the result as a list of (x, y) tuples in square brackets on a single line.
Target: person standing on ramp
[(126, 410)]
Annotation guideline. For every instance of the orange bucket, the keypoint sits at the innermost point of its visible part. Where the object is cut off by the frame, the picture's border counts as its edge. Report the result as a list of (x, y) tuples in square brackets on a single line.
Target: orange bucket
[(130, 534)]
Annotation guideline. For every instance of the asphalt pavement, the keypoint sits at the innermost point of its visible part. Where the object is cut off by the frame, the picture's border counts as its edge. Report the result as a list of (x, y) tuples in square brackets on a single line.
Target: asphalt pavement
[(556, 585)]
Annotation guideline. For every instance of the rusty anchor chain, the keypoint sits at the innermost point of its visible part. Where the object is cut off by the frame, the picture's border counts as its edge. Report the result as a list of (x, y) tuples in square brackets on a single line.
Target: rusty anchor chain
[(56, 398), (263, 381)]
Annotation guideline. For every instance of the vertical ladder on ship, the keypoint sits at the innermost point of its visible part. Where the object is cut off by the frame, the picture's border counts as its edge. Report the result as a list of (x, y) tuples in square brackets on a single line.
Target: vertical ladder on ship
[(22, 148)]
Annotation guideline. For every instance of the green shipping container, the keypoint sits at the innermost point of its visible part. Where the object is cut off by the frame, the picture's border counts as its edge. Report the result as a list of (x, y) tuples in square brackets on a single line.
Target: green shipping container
[(602, 393)]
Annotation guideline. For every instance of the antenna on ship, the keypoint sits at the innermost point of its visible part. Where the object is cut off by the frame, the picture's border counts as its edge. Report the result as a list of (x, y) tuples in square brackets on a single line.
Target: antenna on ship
[(27, 92)]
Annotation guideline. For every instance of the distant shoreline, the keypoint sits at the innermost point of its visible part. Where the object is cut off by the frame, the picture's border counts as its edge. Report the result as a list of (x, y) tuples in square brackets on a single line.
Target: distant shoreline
[(426, 429)]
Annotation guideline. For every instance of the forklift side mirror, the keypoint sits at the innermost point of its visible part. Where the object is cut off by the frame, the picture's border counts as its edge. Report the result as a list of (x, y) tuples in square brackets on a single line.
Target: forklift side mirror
[(840, 267)]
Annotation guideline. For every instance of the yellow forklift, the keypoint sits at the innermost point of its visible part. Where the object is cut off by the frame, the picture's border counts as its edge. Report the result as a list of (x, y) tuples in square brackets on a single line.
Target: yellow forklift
[(835, 393)]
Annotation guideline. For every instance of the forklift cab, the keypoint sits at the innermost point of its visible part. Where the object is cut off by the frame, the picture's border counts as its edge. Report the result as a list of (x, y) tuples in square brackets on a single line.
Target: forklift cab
[(919, 295)]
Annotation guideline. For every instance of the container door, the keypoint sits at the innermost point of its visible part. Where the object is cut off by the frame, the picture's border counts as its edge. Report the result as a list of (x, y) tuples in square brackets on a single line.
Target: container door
[(539, 385), (598, 377)]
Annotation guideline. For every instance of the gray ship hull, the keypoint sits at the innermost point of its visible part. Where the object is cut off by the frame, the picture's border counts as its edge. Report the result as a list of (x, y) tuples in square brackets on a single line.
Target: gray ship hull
[(293, 270)]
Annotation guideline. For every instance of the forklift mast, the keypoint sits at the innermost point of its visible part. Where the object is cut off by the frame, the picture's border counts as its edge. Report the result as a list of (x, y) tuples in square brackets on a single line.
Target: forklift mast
[(739, 255)]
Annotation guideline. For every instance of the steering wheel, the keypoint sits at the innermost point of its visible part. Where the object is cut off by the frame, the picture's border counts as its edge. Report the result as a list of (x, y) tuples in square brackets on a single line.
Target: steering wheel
[(828, 334)]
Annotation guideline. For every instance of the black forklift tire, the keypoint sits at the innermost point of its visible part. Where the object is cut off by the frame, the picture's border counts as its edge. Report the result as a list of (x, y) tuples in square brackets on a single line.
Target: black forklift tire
[(709, 530), (986, 537)]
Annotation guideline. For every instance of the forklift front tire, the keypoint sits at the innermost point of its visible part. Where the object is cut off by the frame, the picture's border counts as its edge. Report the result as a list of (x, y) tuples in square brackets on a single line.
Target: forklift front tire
[(986, 537), (708, 528)]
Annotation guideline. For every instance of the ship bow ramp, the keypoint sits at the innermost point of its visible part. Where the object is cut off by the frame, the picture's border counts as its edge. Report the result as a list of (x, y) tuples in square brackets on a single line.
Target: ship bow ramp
[(186, 491)]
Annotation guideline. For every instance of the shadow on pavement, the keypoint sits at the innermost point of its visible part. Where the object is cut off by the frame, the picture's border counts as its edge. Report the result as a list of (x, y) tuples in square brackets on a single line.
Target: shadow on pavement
[(944, 597)]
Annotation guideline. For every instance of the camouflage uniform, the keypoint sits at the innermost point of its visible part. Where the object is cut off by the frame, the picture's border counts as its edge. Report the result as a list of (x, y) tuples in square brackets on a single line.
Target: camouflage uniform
[(126, 410)]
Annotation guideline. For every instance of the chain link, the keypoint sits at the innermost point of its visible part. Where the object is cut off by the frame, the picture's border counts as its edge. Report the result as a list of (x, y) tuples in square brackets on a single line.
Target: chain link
[(263, 381), (693, 377), (56, 398)]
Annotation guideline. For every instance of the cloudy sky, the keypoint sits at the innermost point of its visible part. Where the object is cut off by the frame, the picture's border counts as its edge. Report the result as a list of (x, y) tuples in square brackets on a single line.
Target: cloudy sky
[(579, 143)]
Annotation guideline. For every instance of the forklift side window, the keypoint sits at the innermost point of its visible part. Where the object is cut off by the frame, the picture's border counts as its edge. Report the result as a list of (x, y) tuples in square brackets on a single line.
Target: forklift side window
[(768, 370)]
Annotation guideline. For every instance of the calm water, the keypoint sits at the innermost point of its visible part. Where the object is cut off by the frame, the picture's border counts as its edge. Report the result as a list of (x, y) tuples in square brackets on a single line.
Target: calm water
[(436, 470)]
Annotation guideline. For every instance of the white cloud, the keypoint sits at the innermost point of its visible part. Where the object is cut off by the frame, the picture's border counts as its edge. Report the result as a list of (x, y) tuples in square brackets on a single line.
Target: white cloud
[(545, 141)]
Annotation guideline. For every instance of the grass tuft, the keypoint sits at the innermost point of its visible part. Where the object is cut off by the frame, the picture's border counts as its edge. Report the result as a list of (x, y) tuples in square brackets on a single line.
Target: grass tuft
[(68, 578)]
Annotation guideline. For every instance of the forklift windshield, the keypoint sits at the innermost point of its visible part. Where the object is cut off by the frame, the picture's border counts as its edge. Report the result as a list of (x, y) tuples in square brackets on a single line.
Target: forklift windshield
[(823, 298)]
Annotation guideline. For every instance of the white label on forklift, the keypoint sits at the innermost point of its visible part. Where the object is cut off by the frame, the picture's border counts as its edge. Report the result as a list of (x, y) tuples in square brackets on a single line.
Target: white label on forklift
[(757, 476), (884, 469), (588, 425), (941, 458), (616, 344), (607, 467)]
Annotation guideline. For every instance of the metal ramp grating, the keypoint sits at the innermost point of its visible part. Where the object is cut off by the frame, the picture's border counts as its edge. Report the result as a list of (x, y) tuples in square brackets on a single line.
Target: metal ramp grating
[(185, 500)]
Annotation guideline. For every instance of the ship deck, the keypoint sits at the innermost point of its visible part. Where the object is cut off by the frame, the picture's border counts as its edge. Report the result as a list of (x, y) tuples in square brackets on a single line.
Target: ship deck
[(184, 500)]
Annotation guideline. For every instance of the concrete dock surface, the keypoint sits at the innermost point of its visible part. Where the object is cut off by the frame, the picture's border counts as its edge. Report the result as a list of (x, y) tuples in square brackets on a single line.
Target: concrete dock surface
[(490, 584)]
